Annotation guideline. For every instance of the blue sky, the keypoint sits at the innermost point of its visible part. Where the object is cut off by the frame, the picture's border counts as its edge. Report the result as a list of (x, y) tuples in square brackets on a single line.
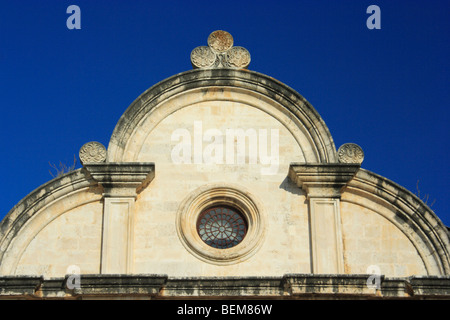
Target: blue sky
[(386, 90)]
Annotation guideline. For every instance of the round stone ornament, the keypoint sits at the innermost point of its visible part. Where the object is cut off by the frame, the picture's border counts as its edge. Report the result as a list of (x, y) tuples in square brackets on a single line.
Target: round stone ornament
[(92, 152), (220, 41), (350, 153), (202, 57), (238, 57)]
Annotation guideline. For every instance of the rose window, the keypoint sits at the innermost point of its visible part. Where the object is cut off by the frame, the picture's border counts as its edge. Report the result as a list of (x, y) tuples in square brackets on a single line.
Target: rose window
[(221, 227)]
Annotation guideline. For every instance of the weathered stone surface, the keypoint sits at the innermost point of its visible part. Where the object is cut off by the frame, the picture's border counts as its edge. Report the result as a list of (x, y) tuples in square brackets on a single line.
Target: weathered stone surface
[(430, 286), (92, 152), (203, 57), (121, 178), (371, 193), (19, 286), (322, 180), (121, 284), (220, 41), (216, 87), (331, 284), (350, 153), (290, 286), (223, 287), (220, 53)]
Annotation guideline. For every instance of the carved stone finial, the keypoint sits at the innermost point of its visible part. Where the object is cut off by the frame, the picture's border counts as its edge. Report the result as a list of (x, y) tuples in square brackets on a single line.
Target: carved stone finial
[(220, 41), (203, 57), (92, 152), (220, 53), (350, 153)]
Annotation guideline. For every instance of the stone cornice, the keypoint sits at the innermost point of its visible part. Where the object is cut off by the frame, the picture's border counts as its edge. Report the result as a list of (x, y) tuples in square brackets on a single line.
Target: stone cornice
[(121, 179), (289, 286), (322, 179)]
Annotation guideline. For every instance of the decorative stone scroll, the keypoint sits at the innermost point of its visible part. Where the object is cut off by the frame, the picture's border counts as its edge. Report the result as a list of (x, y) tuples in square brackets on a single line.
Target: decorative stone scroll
[(92, 152), (220, 53), (350, 153)]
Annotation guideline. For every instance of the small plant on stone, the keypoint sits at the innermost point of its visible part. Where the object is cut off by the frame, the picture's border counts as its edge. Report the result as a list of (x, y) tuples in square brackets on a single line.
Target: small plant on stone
[(62, 168)]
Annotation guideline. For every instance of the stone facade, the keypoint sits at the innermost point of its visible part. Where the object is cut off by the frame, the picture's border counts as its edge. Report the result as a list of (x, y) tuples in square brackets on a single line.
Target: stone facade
[(317, 223)]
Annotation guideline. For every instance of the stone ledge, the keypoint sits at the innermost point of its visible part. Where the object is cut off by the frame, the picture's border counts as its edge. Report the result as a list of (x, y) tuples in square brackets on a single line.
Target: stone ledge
[(19, 286), (121, 179), (149, 285), (431, 286), (224, 287), (329, 285), (289, 286), (322, 179)]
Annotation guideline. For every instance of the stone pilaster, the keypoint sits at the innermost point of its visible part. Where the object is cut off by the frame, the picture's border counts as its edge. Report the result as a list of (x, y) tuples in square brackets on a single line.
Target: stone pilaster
[(121, 182), (323, 184)]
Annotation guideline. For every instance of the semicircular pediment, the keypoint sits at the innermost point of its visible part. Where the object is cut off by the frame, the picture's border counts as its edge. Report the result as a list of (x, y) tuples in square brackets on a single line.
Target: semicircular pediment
[(225, 86)]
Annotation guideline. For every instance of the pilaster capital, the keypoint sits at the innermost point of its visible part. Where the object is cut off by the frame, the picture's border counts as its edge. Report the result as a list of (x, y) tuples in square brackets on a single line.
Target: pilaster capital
[(322, 180), (121, 179)]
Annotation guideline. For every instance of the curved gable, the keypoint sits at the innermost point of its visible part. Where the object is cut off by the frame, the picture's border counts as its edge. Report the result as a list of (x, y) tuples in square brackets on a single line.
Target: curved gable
[(36, 213), (208, 86), (419, 225)]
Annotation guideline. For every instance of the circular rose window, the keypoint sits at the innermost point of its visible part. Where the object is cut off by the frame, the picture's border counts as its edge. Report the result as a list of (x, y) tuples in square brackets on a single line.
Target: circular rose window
[(221, 224), (221, 227)]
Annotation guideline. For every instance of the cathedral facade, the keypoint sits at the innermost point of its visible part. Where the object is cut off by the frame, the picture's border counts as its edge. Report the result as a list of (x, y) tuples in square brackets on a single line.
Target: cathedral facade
[(222, 182)]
